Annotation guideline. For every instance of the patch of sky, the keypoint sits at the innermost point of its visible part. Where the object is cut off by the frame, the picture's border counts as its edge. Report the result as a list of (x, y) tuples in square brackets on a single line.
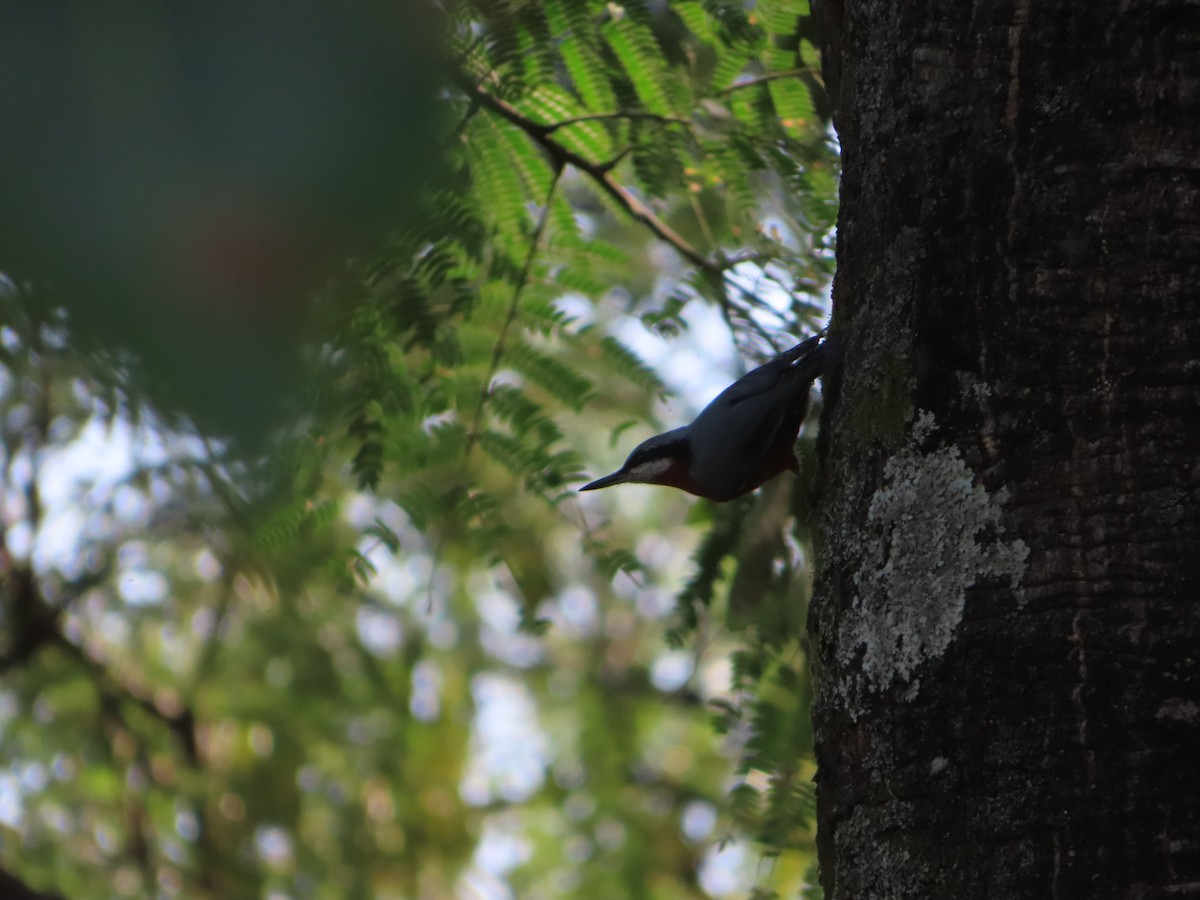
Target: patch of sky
[(12, 803), (425, 702), (509, 750), (379, 631), (698, 820), (502, 846), (575, 612), (273, 846), (500, 615), (671, 670), (722, 870), (85, 491)]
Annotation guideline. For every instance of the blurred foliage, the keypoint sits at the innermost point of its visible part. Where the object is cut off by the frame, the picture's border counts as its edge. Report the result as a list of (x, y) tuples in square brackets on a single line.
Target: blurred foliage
[(184, 173), (395, 656)]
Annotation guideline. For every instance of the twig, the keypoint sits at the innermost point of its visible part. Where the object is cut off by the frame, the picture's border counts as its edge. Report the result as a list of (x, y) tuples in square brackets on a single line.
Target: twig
[(472, 108), (769, 76), (600, 173), (702, 219), (728, 307), (181, 724), (514, 308), (213, 644), (622, 114), (526, 269)]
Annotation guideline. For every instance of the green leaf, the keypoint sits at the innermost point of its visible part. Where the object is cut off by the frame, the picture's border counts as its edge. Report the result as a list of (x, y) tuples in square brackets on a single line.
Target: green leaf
[(625, 363), (641, 57), (793, 103), (561, 381)]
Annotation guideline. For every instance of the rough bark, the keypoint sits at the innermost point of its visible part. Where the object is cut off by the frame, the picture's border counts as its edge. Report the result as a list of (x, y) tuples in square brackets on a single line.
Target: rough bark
[(1006, 619)]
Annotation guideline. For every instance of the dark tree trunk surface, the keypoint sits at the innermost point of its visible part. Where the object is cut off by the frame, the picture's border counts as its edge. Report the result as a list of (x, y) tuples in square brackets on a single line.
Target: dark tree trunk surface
[(1007, 613)]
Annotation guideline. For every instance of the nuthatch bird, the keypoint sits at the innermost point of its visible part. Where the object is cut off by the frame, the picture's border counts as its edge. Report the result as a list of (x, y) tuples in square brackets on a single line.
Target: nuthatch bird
[(743, 438)]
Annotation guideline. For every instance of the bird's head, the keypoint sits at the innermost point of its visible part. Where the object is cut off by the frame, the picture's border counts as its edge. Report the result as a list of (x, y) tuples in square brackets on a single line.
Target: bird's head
[(663, 459)]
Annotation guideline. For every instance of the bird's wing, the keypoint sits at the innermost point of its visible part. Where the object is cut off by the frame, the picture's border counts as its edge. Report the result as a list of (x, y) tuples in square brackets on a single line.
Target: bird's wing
[(765, 377), (765, 406), (789, 411)]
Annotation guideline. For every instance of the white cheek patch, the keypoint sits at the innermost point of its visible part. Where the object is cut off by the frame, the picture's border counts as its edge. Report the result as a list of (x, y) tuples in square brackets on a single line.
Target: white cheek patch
[(649, 471)]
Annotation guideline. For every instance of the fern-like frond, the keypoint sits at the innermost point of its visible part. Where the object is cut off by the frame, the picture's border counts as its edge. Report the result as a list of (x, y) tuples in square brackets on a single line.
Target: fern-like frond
[(642, 59), (576, 27), (499, 185), (557, 378), (793, 103), (625, 363), (548, 104)]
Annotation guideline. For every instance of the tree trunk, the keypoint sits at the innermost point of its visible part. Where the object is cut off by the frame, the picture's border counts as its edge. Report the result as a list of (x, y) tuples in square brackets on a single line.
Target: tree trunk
[(1007, 613)]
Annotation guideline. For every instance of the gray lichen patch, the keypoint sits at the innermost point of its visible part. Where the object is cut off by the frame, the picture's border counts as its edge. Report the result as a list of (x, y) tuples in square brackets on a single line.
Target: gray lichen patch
[(931, 532)]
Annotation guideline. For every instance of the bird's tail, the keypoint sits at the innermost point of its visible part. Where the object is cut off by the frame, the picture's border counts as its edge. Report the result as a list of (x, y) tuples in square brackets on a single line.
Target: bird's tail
[(813, 357)]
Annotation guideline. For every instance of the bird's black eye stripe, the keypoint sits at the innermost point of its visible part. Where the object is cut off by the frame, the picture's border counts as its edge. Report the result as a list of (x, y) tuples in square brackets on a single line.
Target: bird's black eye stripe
[(678, 449), (637, 457)]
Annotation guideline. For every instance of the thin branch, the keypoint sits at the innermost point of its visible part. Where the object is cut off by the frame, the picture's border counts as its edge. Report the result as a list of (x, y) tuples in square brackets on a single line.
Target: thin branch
[(514, 307), (610, 164), (226, 495), (600, 173), (728, 308), (42, 627), (181, 723), (38, 435), (214, 643), (621, 114), (756, 257), (769, 76), (701, 218), (472, 108)]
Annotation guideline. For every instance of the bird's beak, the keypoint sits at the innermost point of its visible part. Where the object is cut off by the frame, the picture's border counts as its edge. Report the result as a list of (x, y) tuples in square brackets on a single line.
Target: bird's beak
[(607, 481)]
